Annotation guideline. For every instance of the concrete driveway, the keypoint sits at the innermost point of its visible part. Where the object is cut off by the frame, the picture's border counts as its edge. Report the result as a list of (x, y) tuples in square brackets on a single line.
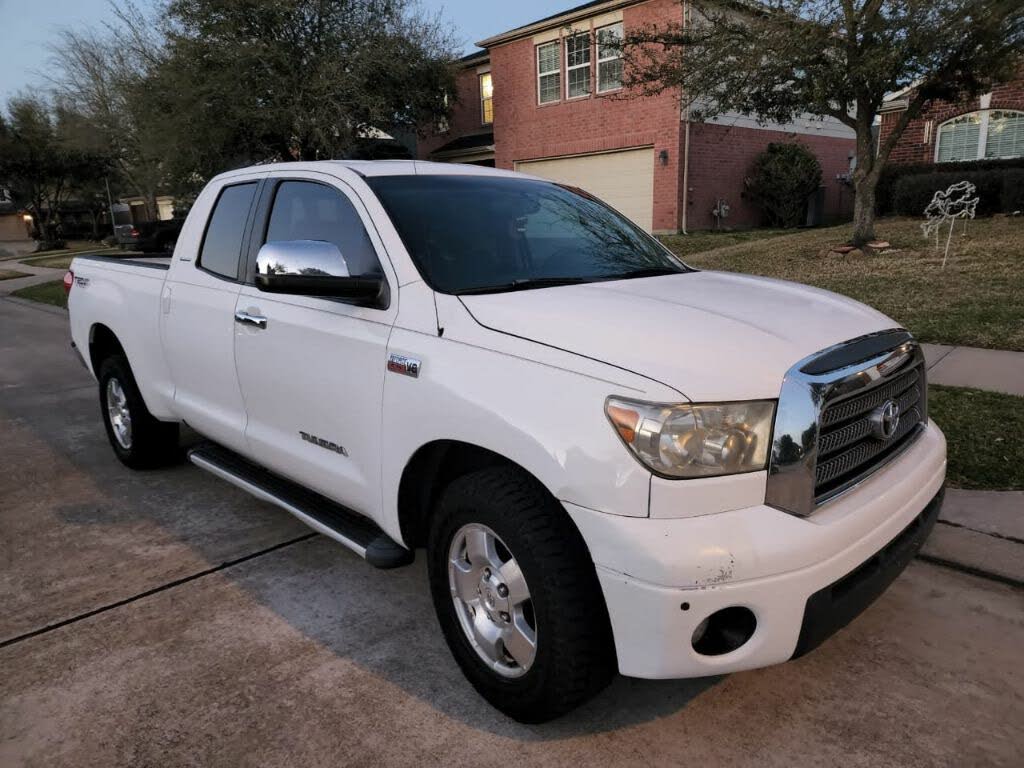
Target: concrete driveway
[(165, 619)]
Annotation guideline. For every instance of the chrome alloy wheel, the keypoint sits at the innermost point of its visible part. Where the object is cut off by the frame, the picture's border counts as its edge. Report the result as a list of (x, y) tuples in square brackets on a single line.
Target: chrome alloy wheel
[(492, 600), (118, 413)]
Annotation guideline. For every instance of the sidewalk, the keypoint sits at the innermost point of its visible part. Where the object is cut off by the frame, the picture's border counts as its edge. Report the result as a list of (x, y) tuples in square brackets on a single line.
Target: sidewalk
[(996, 370), (37, 275)]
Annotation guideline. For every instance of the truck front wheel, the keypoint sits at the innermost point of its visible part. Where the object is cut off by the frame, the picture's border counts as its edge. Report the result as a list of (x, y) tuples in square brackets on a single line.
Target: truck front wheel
[(517, 596), (139, 440)]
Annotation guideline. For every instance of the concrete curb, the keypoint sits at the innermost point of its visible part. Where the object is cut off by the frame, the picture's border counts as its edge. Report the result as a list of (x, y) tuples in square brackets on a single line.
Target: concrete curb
[(980, 532), (35, 305)]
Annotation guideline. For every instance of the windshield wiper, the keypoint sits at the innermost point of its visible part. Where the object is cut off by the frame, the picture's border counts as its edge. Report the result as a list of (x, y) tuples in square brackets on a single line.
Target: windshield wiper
[(646, 272), (524, 284)]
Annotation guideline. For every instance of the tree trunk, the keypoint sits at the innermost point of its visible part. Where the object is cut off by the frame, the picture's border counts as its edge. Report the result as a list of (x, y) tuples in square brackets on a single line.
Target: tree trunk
[(864, 210)]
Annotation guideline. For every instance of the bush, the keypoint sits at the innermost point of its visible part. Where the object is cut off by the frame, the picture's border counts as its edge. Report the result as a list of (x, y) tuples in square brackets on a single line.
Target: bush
[(783, 177), (884, 201), (1013, 190), (911, 194)]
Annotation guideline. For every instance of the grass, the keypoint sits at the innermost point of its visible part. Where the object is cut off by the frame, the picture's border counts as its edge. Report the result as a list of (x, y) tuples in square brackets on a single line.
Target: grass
[(47, 293), (977, 300), (10, 274), (984, 437)]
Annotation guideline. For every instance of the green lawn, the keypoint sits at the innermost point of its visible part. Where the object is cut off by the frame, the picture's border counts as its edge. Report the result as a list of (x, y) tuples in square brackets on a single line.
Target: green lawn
[(983, 433), (10, 274), (47, 293), (977, 300)]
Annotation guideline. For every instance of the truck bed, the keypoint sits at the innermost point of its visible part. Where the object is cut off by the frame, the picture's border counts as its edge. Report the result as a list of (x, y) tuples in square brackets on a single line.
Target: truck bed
[(154, 262)]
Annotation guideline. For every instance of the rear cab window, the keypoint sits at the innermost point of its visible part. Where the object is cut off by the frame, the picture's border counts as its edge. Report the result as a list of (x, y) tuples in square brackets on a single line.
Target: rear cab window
[(221, 251)]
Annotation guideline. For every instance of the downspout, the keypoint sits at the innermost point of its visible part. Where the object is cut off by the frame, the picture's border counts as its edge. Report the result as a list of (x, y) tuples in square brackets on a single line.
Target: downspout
[(686, 169), (686, 150)]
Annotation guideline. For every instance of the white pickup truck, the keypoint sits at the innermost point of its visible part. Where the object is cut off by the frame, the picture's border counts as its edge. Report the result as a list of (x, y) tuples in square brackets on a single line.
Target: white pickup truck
[(613, 461)]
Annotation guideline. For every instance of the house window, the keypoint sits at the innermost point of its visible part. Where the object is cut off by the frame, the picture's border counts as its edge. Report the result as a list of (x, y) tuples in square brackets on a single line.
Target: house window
[(486, 99), (577, 65), (988, 134), (609, 58), (1005, 135), (549, 73)]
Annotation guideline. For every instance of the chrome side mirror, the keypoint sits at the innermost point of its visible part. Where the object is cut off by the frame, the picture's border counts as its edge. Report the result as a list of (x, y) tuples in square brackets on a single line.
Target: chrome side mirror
[(315, 268), (312, 258)]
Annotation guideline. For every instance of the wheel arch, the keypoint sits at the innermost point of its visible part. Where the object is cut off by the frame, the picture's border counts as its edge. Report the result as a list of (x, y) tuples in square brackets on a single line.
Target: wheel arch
[(103, 342), (430, 469)]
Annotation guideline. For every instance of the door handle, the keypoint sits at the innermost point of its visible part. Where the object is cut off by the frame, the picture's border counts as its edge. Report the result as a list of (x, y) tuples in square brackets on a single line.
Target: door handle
[(246, 319)]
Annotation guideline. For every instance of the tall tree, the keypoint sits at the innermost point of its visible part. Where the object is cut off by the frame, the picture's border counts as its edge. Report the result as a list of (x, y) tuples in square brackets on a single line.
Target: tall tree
[(106, 77), (780, 59), (247, 81), (40, 165)]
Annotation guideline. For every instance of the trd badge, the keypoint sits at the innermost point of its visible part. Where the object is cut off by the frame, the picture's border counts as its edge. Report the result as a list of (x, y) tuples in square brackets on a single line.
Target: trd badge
[(407, 366)]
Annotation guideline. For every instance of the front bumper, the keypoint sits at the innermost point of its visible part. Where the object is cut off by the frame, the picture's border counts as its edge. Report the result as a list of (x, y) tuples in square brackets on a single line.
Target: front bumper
[(802, 578)]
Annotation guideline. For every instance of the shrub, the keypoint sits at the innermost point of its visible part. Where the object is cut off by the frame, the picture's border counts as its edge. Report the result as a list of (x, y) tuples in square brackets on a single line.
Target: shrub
[(911, 194), (884, 201), (782, 179), (1013, 190)]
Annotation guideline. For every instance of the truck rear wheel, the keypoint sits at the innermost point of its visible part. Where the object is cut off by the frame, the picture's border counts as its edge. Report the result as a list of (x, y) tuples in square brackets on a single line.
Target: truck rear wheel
[(139, 440), (517, 596)]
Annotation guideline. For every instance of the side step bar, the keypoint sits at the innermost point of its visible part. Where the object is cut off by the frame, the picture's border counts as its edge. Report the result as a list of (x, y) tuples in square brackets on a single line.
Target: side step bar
[(349, 528)]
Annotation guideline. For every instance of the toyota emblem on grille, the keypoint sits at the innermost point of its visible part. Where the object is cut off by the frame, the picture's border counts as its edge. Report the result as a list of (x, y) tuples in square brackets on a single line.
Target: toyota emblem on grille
[(885, 419)]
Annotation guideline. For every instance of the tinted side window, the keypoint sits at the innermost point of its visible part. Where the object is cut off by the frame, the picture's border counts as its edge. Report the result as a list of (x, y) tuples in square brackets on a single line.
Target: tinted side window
[(305, 210), (222, 245)]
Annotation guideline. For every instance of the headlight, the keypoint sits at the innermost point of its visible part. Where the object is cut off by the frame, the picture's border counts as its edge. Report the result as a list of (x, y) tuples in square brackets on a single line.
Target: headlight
[(695, 440)]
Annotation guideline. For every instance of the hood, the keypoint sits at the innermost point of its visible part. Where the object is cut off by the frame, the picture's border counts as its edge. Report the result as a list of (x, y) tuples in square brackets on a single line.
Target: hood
[(713, 336)]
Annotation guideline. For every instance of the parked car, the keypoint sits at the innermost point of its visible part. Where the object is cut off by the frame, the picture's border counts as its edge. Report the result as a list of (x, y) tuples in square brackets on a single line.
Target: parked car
[(149, 236), (614, 461)]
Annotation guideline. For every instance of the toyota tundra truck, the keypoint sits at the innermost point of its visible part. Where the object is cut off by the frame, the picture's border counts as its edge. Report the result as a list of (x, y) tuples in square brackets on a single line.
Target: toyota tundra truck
[(614, 461)]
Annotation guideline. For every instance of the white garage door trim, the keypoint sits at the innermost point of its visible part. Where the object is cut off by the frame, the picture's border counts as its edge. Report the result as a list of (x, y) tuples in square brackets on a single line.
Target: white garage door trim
[(623, 178)]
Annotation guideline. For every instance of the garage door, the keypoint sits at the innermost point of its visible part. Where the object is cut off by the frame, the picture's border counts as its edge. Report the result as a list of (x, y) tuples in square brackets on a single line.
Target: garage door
[(624, 180)]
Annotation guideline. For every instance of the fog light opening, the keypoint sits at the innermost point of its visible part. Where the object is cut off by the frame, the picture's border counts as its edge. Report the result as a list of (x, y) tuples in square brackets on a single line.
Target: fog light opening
[(724, 631)]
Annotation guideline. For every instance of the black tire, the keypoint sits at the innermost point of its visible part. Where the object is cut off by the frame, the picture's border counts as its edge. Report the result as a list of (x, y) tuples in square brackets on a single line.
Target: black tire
[(151, 443), (575, 655)]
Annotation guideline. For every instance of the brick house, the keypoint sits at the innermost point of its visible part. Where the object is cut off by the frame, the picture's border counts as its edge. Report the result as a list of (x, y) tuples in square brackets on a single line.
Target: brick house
[(989, 127), (546, 99)]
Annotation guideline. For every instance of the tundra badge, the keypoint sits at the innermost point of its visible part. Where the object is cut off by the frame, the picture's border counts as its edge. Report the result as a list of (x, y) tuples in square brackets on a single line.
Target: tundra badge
[(323, 443)]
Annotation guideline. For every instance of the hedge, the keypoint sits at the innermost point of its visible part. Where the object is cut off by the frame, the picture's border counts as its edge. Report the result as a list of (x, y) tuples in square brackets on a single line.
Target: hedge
[(891, 174), (911, 194)]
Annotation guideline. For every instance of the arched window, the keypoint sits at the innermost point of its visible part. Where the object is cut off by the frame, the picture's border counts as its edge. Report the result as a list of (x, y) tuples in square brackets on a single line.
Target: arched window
[(989, 134)]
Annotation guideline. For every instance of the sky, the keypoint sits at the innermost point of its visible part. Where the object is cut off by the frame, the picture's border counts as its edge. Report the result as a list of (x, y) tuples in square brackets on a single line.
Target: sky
[(28, 26)]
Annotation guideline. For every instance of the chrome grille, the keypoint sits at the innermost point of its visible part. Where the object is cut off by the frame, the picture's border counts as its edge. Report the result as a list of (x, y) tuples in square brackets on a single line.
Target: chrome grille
[(828, 432), (848, 448)]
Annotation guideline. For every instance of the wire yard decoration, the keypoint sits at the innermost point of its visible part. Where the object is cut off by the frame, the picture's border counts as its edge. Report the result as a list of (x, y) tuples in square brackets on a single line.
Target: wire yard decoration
[(957, 202)]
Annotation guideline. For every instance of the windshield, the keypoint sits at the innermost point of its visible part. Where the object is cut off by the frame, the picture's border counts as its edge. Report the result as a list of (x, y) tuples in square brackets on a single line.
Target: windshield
[(482, 234)]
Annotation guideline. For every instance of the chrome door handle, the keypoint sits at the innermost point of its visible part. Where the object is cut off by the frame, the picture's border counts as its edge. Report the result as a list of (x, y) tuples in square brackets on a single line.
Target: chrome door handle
[(246, 319)]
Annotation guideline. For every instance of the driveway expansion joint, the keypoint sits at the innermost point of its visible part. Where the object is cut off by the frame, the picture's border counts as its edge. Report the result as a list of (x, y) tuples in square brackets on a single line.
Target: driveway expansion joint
[(155, 590)]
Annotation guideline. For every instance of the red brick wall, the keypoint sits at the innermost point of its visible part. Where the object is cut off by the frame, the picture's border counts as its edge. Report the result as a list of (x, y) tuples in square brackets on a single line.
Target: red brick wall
[(466, 115), (721, 157), (525, 130), (912, 147)]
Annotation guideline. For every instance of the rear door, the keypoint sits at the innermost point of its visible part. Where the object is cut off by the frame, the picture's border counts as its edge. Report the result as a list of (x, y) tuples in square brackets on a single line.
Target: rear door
[(312, 374), (199, 317)]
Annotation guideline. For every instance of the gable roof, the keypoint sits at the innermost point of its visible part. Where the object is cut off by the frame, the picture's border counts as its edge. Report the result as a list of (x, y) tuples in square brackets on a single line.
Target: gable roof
[(562, 17)]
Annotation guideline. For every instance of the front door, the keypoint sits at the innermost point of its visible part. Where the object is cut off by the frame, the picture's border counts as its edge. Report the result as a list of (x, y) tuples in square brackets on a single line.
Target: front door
[(312, 369)]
